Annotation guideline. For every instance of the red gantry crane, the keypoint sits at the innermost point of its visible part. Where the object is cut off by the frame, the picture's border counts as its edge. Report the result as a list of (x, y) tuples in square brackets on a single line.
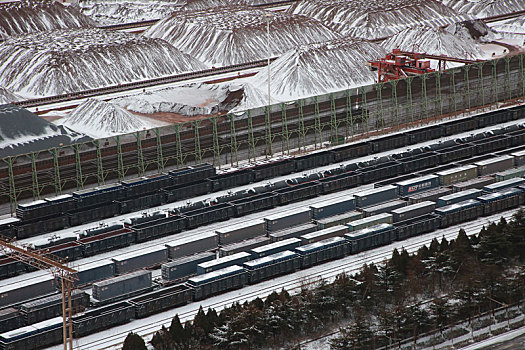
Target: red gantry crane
[(64, 276)]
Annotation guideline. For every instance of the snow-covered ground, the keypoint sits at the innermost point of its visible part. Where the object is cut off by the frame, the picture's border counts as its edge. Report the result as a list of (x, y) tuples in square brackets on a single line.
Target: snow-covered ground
[(62, 61), (28, 16), (230, 35)]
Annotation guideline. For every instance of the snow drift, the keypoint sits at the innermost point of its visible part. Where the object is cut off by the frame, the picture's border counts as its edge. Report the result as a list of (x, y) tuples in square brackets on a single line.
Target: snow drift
[(485, 8), (22, 132), (189, 100), (28, 16), (231, 35), (63, 61), (320, 68), (434, 41), (371, 19), (100, 119)]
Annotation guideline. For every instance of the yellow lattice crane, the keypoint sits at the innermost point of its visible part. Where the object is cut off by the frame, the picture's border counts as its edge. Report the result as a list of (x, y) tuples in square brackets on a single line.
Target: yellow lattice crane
[(64, 276)]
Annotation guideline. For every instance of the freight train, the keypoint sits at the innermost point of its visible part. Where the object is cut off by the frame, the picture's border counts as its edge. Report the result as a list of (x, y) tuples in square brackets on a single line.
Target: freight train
[(144, 228), (257, 265), (90, 205)]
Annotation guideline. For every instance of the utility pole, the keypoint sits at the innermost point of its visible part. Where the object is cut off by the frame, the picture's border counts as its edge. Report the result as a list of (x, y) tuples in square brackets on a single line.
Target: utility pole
[(64, 276)]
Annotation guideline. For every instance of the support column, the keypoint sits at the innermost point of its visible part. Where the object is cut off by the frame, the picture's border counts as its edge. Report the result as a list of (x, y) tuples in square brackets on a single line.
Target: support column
[(100, 169), (216, 149), (268, 133), (78, 168), (424, 78), (364, 110), (481, 87), (522, 75), (178, 145), (380, 121), (494, 81), (120, 160), (233, 141), (34, 176), (285, 138), (160, 156), (334, 126), (453, 87), (198, 151), (507, 77), (349, 117), (252, 153), (12, 187), (56, 168), (466, 69), (395, 106), (302, 131), (439, 99), (140, 157), (318, 128), (410, 106)]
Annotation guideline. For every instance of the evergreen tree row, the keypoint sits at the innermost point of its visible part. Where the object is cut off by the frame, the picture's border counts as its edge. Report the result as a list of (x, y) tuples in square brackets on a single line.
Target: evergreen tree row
[(410, 294)]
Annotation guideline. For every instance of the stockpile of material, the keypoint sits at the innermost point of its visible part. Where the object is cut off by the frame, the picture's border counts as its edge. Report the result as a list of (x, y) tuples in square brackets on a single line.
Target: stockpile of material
[(370, 19), (28, 16), (232, 35), (63, 61)]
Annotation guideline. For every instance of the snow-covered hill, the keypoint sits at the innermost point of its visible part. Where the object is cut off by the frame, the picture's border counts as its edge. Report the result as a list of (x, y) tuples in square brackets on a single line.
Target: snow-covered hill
[(62, 61), (100, 119), (28, 16), (231, 35), (434, 41), (485, 8), (22, 132), (320, 68), (370, 19)]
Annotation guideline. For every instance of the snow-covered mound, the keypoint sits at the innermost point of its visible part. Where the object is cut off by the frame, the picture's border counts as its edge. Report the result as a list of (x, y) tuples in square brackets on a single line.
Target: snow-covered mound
[(100, 119), (22, 132), (434, 41), (190, 100), (231, 35), (63, 61), (485, 8), (107, 12), (206, 4), (28, 16), (7, 96), (320, 68), (511, 26), (370, 19)]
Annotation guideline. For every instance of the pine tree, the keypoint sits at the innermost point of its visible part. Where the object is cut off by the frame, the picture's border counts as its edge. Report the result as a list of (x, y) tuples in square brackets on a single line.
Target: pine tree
[(177, 332), (134, 342)]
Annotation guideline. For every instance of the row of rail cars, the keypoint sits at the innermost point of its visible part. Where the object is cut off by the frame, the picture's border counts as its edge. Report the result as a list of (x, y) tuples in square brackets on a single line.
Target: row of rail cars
[(376, 228), (134, 295), (146, 227), (90, 205)]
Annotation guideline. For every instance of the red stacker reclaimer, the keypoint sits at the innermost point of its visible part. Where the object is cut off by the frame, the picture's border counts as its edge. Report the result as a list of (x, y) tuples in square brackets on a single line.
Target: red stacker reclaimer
[(398, 64)]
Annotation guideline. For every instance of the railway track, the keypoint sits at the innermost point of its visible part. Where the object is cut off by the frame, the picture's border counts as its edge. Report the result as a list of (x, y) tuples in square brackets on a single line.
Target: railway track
[(292, 283)]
